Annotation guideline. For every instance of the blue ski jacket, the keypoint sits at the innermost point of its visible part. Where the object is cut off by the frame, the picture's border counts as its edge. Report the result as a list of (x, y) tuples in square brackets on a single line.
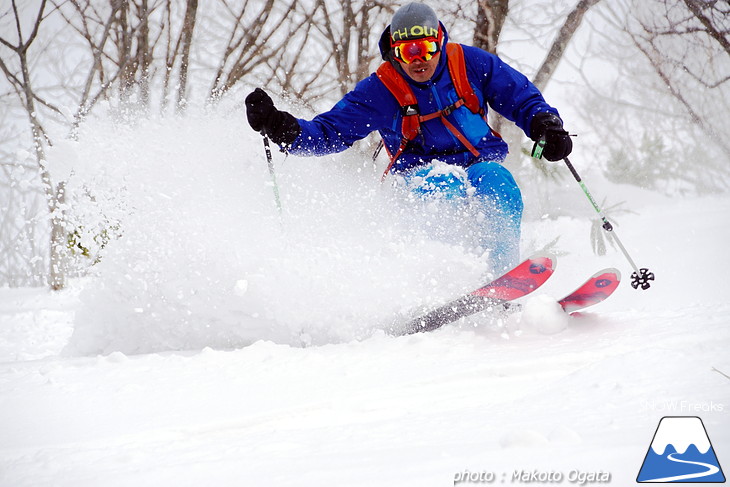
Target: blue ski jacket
[(370, 106)]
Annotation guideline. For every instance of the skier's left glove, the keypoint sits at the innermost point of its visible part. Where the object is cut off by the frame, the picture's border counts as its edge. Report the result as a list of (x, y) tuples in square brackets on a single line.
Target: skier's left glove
[(263, 117), (549, 126)]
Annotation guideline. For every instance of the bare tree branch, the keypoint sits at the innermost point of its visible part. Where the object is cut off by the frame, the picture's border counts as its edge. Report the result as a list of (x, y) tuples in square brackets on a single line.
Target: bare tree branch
[(565, 34), (696, 8)]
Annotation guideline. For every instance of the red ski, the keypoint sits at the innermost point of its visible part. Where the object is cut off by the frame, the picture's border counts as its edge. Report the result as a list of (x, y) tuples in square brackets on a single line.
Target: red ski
[(596, 289), (516, 283)]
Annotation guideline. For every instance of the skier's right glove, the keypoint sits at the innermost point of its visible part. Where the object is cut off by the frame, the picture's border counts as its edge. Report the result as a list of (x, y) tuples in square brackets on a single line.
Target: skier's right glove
[(549, 127), (263, 117)]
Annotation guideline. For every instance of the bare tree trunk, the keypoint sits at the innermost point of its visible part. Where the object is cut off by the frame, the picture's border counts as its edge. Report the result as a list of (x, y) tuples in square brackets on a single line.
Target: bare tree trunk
[(572, 22), (144, 53), (339, 47), (491, 15), (54, 196), (363, 46), (169, 56), (59, 238), (187, 41), (124, 46), (511, 133)]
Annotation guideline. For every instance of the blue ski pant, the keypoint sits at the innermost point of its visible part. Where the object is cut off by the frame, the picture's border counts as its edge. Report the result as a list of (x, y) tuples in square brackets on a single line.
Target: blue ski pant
[(490, 187)]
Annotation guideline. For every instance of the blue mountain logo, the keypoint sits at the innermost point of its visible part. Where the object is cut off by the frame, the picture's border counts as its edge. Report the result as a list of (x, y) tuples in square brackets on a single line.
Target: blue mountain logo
[(681, 452)]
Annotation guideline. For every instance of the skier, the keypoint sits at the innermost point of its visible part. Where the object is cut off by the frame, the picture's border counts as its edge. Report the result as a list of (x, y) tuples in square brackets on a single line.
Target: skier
[(429, 101)]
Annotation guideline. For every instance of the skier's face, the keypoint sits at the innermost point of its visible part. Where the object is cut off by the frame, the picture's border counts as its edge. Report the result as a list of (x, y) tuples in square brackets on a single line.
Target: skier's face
[(422, 71)]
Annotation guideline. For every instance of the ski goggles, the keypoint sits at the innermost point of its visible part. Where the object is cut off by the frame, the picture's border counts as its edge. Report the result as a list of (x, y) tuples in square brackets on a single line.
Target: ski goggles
[(423, 49)]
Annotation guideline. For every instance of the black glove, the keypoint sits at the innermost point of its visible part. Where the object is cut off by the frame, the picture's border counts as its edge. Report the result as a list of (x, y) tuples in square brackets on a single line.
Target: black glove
[(547, 125), (263, 117)]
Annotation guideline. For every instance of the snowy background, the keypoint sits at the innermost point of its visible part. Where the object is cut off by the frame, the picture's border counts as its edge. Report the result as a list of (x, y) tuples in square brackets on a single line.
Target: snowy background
[(217, 343)]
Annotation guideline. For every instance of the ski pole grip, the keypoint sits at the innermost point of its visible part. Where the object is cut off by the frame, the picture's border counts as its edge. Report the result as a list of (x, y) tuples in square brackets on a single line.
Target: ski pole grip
[(267, 150), (538, 148), (572, 169)]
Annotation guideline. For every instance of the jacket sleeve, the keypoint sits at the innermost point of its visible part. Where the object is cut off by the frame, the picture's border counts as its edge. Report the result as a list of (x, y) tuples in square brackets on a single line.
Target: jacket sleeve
[(507, 91), (366, 108)]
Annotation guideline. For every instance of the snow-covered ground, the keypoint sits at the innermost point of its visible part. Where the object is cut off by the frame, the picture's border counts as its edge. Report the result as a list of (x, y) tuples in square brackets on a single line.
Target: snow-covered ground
[(219, 344)]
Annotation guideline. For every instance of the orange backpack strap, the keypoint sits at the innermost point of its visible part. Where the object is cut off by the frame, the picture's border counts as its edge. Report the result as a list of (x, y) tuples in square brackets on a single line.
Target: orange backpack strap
[(411, 125), (457, 70), (399, 87)]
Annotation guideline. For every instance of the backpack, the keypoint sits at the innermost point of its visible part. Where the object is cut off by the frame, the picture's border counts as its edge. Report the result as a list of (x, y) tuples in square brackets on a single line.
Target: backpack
[(412, 119)]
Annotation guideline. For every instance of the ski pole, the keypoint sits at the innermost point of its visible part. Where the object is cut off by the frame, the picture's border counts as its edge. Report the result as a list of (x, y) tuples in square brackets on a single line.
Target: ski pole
[(640, 277), (272, 173)]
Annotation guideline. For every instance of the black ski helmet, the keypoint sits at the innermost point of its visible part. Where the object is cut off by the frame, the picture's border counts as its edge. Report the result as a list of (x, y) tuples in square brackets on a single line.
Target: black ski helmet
[(413, 21)]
